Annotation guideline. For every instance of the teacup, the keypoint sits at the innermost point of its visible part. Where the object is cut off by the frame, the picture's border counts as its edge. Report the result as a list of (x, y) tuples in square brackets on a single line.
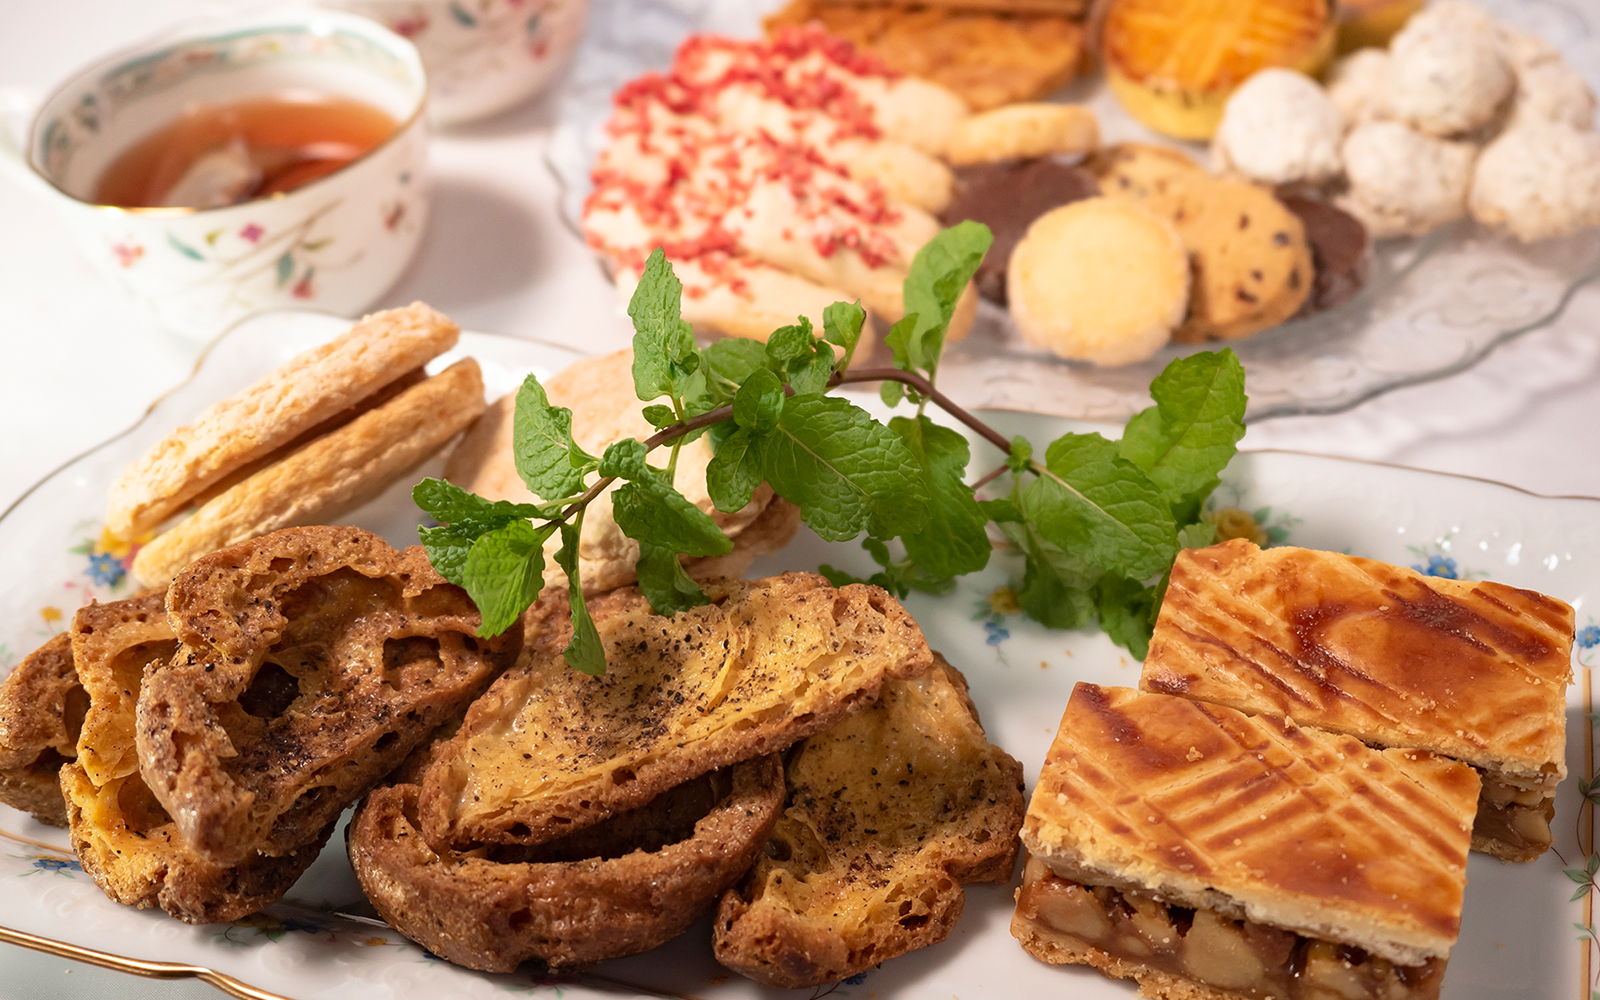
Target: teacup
[(338, 242), (483, 56)]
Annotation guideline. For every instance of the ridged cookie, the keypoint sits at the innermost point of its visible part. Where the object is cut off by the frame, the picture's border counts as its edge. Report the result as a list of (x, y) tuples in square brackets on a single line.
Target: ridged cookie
[(41, 709), (1103, 280), (308, 390), (327, 477), (619, 888), (313, 661), (886, 815), (765, 664)]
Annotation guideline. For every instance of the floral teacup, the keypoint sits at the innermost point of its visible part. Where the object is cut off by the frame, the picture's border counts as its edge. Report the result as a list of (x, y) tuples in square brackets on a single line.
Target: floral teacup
[(483, 56), (337, 243)]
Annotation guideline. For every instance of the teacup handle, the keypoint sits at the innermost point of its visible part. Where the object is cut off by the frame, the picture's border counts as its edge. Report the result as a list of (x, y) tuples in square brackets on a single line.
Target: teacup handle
[(16, 108)]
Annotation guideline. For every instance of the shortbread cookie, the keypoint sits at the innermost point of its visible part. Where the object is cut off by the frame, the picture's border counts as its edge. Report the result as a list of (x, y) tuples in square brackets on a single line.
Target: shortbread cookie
[(313, 661), (1024, 131), (618, 888), (1007, 197), (1448, 71), (773, 528), (1103, 280), (308, 390), (886, 816), (765, 664), (1537, 180), (41, 709), (1252, 264), (128, 844), (1280, 128), (605, 408), (990, 57), (327, 477), (1139, 169), (1403, 183)]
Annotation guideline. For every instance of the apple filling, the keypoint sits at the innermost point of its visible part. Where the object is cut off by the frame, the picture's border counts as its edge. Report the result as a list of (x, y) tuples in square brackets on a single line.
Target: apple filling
[(1242, 957), (1517, 817)]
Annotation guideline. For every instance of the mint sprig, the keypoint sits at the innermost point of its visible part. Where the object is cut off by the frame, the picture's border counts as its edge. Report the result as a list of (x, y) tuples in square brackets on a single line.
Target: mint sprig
[(1096, 522)]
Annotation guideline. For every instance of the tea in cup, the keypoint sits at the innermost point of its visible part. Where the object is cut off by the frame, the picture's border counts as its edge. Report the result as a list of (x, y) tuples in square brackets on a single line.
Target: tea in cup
[(273, 159)]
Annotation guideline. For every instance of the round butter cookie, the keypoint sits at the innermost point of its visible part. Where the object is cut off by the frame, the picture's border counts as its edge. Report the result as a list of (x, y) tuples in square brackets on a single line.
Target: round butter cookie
[(1103, 280), (1252, 264)]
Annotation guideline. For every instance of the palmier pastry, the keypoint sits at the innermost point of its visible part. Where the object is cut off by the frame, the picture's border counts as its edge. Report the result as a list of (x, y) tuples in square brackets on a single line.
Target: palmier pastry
[(1474, 670), (312, 661), (765, 664), (617, 888), (1213, 855), (885, 816)]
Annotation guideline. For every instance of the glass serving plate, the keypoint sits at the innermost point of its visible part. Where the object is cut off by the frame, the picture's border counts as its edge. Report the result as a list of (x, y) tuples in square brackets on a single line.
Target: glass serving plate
[(324, 940), (1433, 306)]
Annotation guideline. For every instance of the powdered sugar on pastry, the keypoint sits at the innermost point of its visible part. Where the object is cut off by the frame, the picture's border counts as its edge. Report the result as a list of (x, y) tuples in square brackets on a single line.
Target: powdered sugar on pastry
[(1402, 182), (1538, 179), (1358, 85), (1279, 128), (1551, 90)]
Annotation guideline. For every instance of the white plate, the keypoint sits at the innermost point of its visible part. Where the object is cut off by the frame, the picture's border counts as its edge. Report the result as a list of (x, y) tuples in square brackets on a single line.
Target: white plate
[(1433, 307), (1517, 938)]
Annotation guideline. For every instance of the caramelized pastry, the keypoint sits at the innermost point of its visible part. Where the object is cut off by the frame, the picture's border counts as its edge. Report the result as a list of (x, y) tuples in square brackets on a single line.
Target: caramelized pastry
[(1474, 670)]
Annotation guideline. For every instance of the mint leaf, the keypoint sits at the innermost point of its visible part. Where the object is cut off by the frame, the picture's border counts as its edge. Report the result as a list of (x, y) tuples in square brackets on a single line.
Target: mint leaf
[(845, 471), (811, 375), (1101, 508), (891, 393), (1186, 439), (1021, 454), (790, 342), (469, 513), (541, 444), (939, 274), (1197, 536), (660, 416), (1055, 586), (649, 510), (954, 541), (664, 583), (662, 341), (735, 471), (1127, 613), (447, 550), (727, 364), (841, 326), (899, 341), (504, 572), (585, 652), (759, 402)]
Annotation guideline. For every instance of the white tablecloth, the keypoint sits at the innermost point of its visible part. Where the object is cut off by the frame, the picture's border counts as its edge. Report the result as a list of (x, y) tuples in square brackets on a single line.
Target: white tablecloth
[(82, 362)]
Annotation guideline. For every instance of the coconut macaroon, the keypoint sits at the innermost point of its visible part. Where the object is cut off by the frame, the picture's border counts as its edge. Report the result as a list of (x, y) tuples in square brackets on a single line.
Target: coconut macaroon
[(1449, 72), (1403, 183), (1208, 854), (1537, 180), (1280, 128)]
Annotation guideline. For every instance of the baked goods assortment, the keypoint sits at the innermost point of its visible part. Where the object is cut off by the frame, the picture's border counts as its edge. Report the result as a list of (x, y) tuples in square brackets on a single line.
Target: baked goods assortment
[(1461, 115), (1202, 852), (1472, 670)]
